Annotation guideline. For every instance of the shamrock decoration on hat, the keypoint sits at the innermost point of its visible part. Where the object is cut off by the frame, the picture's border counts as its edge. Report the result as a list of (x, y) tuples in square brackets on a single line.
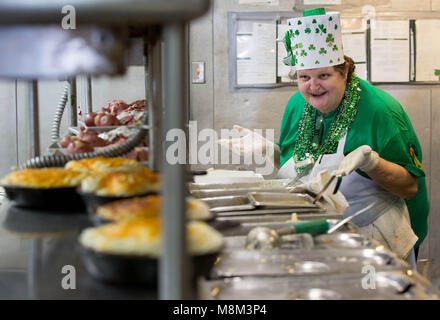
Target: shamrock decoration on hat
[(314, 40)]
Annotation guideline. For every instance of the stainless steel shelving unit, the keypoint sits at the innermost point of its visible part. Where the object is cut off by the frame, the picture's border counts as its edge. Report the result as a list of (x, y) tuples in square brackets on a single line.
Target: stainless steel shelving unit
[(167, 21)]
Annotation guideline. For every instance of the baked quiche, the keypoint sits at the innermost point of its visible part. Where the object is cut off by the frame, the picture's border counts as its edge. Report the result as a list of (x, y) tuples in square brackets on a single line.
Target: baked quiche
[(148, 207), (142, 237), (122, 183), (101, 165), (44, 178)]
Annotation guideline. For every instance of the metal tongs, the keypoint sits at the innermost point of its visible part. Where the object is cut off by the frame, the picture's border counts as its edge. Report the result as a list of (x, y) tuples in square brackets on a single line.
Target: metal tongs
[(338, 184), (344, 221), (309, 163)]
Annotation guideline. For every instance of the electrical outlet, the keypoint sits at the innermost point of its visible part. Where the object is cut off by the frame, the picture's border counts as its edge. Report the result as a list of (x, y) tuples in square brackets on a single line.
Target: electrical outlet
[(198, 72)]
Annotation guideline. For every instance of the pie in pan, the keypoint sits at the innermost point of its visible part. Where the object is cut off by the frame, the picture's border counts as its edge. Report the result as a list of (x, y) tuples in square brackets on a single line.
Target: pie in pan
[(44, 178), (122, 183), (148, 207), (101, 165)]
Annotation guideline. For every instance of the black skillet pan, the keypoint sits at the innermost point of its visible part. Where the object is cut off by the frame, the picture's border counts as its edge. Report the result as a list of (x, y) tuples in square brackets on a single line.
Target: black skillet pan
[(37, 223), (135, 270), (53, 199)]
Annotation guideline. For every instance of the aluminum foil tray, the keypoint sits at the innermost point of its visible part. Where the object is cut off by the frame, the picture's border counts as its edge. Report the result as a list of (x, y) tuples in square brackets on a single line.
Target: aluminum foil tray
[(282, 262), (388, 285)]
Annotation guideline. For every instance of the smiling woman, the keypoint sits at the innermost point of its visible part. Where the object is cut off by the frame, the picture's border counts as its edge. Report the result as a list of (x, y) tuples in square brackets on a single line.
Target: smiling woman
[(355, 130), (350, 128), (323, 88)]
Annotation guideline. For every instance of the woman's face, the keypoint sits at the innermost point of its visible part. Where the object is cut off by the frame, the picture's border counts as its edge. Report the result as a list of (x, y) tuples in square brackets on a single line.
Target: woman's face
[(323, 88)]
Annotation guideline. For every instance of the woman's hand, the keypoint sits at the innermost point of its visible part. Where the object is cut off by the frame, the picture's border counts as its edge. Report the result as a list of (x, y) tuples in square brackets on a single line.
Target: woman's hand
[(363, 158), (390, 176), (251, 144), (248, 143)]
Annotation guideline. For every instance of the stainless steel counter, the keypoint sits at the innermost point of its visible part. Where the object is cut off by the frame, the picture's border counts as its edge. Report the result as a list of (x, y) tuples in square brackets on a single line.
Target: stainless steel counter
[(40, 259)]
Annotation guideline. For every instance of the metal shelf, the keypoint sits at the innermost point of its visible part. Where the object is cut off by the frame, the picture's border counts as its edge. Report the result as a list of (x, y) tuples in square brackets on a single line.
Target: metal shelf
[(110, 12), (164, 58)]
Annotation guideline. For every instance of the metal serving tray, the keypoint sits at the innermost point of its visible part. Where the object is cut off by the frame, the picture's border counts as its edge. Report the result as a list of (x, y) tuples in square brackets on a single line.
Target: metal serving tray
[(228, 203), (244, 227), (209, 193), (344, 240), (273, 215), (281, 200), (294, 241), (265, 184), (282, 262), (389, 285)]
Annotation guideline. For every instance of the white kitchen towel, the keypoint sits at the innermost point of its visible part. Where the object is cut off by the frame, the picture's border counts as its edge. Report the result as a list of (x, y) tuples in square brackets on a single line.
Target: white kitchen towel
[(394, 231)]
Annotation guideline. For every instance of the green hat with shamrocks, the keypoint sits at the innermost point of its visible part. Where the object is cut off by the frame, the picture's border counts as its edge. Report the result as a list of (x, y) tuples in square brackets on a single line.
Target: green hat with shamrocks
[(314, 40)]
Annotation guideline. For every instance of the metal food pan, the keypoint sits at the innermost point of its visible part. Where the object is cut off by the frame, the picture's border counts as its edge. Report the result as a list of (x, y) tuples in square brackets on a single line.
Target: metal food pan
[(281, 262), (294, 241), (228, 203), (281, 200), (243, 228), (344, 240), (389, 285), (271, 211), (209, 193), (256, 216), (265, 184)]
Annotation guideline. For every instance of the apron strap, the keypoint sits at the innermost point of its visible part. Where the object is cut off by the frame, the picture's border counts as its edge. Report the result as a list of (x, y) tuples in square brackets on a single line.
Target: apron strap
[(341, 145)]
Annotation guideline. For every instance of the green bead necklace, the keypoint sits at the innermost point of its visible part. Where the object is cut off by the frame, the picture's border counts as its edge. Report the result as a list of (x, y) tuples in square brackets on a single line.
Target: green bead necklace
[(304, 147)]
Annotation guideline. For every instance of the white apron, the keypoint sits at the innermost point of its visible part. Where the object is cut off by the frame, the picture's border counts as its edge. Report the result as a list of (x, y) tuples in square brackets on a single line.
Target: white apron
[(387, 221)]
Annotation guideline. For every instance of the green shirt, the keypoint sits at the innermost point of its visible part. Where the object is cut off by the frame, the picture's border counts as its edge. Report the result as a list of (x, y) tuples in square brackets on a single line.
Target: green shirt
[(380, 123)]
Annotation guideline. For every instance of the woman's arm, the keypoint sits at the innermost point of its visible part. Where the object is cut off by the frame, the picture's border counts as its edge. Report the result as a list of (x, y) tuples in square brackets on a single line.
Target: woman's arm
[(390, 176), (394, 178)]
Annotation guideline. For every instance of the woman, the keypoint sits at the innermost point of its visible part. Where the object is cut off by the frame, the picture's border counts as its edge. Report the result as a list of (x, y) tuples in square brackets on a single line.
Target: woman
[(350, 127)]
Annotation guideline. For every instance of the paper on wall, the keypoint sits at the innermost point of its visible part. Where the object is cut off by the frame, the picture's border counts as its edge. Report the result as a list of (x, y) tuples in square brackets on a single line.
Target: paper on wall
[(398, 29), (428, 50), (355, 46), (361, 70), (390, 51), (256, 55)]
